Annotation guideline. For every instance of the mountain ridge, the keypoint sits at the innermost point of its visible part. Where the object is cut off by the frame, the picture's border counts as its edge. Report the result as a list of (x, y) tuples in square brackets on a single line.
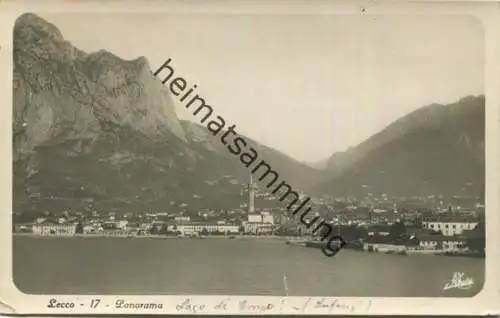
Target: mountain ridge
[(94, 131), (460, 125)]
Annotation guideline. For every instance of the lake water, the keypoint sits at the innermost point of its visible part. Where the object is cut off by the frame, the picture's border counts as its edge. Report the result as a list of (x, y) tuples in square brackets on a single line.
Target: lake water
[(82, 265)]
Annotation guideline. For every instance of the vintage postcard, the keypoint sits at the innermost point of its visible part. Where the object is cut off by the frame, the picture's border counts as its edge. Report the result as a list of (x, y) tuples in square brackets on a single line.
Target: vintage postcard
[(250, 158)]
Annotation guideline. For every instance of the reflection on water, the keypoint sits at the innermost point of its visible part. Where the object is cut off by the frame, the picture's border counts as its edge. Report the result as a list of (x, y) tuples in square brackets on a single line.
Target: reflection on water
[(218, 266)]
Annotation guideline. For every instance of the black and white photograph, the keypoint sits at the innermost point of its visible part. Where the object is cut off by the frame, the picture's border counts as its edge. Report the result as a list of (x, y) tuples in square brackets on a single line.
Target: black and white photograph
[(278, 155)]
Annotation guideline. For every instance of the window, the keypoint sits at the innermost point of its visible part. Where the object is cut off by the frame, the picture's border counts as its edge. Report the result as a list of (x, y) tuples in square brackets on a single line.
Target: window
[(454, 226)]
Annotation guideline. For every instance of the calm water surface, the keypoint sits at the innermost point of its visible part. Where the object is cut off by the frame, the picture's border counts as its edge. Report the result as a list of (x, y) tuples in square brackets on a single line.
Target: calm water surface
[(218, 266)]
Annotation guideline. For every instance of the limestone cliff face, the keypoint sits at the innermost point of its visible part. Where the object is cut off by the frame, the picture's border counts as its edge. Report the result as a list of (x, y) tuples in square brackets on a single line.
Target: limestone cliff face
[(62, 93), (93, 132)]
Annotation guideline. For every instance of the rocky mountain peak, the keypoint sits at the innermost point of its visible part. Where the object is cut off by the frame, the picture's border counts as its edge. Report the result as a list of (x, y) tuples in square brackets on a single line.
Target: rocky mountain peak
[(61, 92), (31, 23)]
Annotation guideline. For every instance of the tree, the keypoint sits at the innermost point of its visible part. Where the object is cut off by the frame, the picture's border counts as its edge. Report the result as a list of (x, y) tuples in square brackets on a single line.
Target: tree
[(163, 229), (397, 230), (79, 228), (475, 239), (439, 245), (153, 230)]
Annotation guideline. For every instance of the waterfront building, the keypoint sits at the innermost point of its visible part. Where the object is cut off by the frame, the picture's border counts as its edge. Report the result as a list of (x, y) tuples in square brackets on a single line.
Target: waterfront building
[(182, 218), (145, 226), (205, 227), (258, 228), (115, 233), (267, 217), (109, 225), (441, 242), (450, 225), (254, 218), (379, 230), (122, 224), (51, 227), (89, 228)]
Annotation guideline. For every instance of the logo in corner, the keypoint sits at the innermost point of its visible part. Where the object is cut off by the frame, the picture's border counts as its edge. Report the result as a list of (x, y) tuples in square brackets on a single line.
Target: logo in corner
[(459, 281)]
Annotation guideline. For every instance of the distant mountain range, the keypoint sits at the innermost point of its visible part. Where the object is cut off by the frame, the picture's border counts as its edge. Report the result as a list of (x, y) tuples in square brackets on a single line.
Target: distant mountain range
[(93, 131), (437, 149)]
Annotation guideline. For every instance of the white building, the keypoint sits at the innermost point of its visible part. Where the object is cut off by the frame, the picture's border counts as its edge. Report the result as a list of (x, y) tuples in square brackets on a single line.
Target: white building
[(450, 225), (267, 217), (438, 242), (257, 228), (200, 228), (122, 224), (54, 228), (254, 218), (182, 219)]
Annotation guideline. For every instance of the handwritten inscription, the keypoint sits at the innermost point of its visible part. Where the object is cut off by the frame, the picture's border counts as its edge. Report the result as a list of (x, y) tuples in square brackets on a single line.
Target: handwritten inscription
[(332, 305), (302, 308), (222, 306), (188, 306), (197, 305), (245, 305), (335, 304)]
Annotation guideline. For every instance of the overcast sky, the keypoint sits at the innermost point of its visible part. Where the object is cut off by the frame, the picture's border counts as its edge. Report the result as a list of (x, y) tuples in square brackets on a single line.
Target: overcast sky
[(306, 85)]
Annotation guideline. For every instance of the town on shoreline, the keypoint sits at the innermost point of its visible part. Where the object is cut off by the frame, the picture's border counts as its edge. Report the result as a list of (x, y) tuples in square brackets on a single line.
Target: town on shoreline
[(394, 226)]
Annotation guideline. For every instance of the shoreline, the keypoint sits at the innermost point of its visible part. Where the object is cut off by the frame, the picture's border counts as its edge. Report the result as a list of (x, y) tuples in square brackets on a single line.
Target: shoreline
[(292, 241), (400, 250), (222, 237)]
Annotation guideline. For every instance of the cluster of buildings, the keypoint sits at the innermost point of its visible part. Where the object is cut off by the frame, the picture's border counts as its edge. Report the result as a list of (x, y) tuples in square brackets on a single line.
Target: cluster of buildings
[(372, 223), (443, 231), (205, 223)]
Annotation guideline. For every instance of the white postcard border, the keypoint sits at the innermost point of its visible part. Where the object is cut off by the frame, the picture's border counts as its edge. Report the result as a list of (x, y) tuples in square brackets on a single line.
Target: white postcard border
[(486, 302)]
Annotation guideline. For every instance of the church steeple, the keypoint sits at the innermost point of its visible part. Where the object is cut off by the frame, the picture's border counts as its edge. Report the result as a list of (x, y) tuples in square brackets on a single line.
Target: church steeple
[(251, 195)]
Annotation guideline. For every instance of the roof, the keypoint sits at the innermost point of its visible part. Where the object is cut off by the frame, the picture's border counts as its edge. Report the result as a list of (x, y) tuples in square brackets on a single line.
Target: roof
[(452, 218), (379, 240), (473, 234), (441, 238), (51, 222), (261, 223), (418, 231), (207, 223), (379, 228)]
